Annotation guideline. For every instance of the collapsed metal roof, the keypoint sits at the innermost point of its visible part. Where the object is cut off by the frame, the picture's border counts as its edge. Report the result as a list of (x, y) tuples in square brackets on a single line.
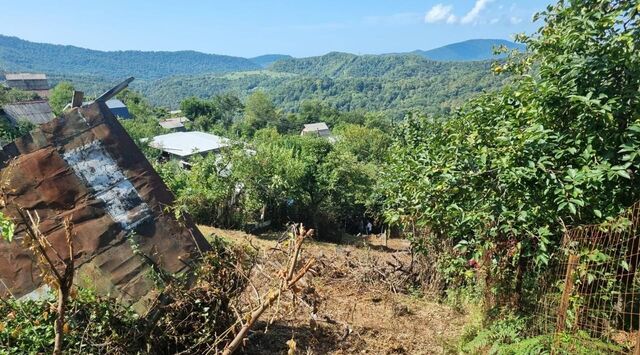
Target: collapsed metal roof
[(85, 167)]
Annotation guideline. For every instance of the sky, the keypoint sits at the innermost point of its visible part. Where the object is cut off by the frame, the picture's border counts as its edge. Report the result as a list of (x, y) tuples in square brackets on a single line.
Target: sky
[(254, 27)]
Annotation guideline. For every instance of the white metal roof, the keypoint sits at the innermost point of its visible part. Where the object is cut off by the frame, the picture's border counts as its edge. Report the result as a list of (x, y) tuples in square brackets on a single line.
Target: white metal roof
[(188, 143)]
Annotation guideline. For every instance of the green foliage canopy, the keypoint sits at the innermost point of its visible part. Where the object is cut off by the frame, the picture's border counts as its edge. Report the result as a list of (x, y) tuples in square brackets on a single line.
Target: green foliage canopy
[(60, 96), (504, 175)]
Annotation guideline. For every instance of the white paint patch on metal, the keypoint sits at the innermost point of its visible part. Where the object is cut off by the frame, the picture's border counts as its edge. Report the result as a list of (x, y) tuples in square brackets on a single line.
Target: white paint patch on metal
[(93, 164), (39, 293)]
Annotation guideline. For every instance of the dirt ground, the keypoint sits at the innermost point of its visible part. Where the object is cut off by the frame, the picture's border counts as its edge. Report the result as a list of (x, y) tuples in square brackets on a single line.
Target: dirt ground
[(354, 300)]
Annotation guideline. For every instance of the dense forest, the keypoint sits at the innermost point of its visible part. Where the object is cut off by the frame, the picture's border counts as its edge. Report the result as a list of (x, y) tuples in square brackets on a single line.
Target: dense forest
[(393, 83), (268, 59), (20, 55), (473, 49)]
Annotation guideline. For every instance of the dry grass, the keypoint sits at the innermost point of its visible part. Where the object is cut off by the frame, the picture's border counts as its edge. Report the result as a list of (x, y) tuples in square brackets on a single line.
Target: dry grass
[(356, 301)]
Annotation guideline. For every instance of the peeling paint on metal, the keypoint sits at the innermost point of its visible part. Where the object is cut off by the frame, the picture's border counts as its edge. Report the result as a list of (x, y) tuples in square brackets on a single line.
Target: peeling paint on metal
[(84, 167), (93, 164)]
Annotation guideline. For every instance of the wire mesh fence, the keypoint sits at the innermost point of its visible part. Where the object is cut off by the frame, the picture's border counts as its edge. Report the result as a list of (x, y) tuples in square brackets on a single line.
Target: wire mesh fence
[(593, 288)]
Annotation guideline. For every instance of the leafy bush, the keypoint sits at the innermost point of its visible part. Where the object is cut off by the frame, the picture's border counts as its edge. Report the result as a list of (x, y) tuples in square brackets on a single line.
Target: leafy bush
[(192, 317), (503, 176), (494, 338)]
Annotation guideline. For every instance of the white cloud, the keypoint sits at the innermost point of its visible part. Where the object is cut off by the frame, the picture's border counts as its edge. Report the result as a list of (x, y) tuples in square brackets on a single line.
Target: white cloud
[(514, 20), (439, 13), (494, 20), (473, 14), (452, 19)]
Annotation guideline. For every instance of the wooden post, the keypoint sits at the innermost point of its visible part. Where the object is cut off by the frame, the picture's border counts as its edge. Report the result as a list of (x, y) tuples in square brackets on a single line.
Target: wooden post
[(566, 295), (76, 101), (636, 351), (386, 237)]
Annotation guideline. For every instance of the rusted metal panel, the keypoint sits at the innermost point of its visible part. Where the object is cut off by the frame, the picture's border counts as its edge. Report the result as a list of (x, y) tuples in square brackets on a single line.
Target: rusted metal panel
[(85, 167)]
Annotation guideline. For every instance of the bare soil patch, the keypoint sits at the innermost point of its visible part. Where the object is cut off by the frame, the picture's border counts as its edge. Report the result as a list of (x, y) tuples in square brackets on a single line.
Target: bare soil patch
[(355, 300)]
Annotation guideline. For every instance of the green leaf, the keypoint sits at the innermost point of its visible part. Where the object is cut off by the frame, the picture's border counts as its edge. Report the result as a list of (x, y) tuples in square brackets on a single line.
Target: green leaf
[(623, 173), (624, 265)]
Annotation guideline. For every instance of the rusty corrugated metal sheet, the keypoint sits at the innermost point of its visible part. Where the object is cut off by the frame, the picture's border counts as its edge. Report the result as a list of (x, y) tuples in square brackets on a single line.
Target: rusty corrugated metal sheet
[(84, 166)]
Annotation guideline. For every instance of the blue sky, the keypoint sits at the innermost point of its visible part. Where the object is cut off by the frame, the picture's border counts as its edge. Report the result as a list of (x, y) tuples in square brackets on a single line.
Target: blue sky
[(254, 27)]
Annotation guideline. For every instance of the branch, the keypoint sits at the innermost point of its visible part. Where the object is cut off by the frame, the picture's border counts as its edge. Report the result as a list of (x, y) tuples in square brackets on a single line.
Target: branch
[(288, 283)]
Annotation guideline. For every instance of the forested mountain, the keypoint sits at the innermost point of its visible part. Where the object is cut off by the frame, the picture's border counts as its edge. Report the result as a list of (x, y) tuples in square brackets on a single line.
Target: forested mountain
[(344, 65), (471, 50), (390, 83), (20, 55), (268, 59)]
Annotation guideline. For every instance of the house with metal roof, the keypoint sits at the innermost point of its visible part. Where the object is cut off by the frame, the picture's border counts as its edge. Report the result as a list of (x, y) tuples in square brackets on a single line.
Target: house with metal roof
[(34, 82), (36, 112), (117, 107), (183, 145), (319, 129), (174, 124)]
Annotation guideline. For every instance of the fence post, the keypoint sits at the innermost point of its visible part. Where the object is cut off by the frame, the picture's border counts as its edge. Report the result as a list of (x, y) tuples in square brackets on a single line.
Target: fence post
[(636, 351), (566, 294)]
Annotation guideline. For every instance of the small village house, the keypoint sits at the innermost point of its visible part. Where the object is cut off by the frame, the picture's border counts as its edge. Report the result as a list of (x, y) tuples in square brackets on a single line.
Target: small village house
[(319, 129), (33, 82), (175, 124)]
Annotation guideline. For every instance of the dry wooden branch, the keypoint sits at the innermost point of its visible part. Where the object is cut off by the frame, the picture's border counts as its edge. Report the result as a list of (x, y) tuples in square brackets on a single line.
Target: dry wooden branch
[(287, 283), (63, 282)]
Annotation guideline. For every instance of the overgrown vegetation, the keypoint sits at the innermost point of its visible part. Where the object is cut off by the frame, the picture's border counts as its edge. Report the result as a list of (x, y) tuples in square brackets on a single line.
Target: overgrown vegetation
[(502, 178), (484, 192), (193, 318)]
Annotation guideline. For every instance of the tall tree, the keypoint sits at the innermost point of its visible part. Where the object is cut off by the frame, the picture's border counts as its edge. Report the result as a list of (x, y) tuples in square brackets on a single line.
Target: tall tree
[(60, 96), (558, 147)]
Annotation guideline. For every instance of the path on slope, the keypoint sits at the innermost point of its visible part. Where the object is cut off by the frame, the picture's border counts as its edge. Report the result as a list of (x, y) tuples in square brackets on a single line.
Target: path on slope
[(361, 306)]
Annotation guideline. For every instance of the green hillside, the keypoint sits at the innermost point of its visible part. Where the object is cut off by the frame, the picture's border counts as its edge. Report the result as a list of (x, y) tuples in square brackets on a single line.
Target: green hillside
[(20, 55), (268, 59), (344, 65), (391, 83), (471, 50)]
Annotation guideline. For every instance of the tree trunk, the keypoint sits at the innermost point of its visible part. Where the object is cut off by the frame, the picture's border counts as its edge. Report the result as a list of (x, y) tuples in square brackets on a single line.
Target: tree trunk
[(63, 296)]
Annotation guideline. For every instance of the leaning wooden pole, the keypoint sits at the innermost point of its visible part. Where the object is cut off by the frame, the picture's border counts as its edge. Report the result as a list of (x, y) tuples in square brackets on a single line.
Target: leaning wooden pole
[(561, 321), (289, 280)]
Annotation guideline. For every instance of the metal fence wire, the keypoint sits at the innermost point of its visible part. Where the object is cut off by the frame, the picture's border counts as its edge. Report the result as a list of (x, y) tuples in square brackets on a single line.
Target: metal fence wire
[(593, 290)]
